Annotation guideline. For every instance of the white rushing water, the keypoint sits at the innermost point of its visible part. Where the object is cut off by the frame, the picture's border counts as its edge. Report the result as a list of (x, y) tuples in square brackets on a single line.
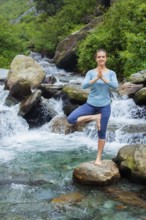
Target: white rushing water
[(126, 126)]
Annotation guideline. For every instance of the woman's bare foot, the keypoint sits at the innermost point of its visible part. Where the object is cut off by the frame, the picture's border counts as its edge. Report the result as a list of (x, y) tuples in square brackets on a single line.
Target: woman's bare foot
[(98, 119), (98, 162)]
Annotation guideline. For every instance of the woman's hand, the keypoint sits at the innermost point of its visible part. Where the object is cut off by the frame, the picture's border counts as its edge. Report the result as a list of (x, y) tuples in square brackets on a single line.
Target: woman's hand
[(100, 74)]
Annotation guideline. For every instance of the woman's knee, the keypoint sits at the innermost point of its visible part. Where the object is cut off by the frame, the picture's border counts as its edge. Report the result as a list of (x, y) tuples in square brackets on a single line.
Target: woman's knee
[(71, 120), (104, 123), (102, 134)]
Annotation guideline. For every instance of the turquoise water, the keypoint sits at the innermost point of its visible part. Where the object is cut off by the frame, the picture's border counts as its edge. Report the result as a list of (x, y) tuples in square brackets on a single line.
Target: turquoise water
[(38, 174), (36, 168)]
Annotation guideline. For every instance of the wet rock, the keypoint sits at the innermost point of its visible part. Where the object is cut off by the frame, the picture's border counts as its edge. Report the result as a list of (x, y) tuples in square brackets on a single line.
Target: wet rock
[(142, 194), (50, 90), (140, 97), (139, 77), (69, 198), (11, 101), (65, 55), (24, 67), (19, 91), (60, 125), (129, 88), (91, 174), (27, 104), (128, 198), (131, 162), (76, 95), (68, 107), (50, 80), (34, 110), (132, 129)]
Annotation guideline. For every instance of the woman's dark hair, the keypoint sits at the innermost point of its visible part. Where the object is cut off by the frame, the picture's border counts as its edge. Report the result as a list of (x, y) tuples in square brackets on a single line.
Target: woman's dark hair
[(101, 50)]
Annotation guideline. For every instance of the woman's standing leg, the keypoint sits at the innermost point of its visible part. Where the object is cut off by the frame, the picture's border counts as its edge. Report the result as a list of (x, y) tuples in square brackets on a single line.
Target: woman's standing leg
[(105, 114)]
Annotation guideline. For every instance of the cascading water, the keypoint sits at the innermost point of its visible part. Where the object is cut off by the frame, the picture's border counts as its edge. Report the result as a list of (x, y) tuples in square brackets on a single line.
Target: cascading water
[(36, 165)]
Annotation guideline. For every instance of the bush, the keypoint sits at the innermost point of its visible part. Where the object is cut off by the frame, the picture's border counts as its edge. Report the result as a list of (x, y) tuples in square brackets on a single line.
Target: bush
[(10, 44)]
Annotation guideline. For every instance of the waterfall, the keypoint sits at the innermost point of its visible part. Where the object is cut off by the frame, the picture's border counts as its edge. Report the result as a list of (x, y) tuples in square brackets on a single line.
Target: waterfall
[(126, 124)]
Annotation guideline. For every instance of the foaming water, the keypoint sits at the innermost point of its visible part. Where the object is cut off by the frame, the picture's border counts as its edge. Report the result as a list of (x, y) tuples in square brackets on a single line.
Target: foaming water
[(15, 135), (3, 95), (127, 109)]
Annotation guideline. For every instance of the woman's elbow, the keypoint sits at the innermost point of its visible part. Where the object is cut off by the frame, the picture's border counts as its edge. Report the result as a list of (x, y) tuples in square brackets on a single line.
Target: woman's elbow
[(71, 120), (84, 86), (116, 85)]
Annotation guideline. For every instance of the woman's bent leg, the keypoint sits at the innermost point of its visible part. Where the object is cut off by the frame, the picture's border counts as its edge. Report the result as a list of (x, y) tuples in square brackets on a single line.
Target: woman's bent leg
[(83, 113)]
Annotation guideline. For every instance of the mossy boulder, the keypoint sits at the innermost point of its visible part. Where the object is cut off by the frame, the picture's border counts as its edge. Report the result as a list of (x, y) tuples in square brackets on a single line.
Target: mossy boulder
[(131, 161), (76, 94)]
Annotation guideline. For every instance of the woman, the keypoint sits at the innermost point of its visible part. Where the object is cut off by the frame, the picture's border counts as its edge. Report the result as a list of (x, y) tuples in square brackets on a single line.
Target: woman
[(98, 105)]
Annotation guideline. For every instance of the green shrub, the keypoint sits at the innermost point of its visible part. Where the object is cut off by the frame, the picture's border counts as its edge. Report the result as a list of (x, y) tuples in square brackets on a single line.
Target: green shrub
[(10, 43)]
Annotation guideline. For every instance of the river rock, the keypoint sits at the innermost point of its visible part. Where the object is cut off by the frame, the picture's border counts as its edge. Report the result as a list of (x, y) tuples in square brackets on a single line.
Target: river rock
[(68, 107), (129, 88), (72, 197), (50, 80), (27, 104), (76, 94), (60, 125), (24, 67), (65, 55), (91, 174), (132, 129), (19, 91), (140, 97), (139, 77), (128, 198), (50, 90), (131, 160)]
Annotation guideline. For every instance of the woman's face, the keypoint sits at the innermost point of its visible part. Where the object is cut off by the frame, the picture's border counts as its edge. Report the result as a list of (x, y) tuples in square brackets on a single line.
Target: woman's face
[(101, 58)]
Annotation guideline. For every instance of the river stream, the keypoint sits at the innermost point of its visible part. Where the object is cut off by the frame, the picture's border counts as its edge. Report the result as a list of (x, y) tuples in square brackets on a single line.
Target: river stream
[(36, 165)]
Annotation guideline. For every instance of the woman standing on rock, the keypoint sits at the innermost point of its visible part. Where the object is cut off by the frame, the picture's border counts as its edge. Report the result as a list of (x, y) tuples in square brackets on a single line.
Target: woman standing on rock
[(98, 105)]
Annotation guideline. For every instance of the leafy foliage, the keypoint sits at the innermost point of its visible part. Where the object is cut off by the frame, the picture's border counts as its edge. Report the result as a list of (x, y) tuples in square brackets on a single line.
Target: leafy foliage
[(51, 7), (122, 34), (10, 43), (12, 9)]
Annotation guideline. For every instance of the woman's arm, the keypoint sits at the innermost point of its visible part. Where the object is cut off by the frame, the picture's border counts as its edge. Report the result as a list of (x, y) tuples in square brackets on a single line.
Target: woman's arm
[(113, 80), (88, 81)]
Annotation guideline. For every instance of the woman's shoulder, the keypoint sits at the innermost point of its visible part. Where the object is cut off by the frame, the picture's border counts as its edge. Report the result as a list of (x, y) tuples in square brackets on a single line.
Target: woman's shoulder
[(112, 72), (91, 71)]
